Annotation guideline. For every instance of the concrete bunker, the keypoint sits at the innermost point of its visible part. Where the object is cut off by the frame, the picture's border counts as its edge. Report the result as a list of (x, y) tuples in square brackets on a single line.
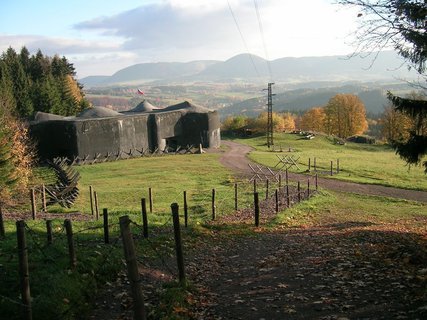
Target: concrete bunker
[(100, 131)]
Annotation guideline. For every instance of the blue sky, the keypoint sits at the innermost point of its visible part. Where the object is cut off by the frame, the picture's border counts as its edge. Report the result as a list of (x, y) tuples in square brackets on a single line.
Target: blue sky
[(102, 36)]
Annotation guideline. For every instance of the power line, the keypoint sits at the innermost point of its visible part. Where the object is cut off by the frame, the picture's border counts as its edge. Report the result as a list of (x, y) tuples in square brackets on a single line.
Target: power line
[(261, 30), (243, 39)]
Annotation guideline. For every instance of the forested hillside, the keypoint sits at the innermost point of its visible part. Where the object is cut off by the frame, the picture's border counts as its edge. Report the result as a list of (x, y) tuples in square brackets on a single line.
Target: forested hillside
[(31, 83)]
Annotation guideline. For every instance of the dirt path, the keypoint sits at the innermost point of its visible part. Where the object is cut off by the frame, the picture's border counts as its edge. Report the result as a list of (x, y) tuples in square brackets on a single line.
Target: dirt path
[(235, 158), (333, 272)]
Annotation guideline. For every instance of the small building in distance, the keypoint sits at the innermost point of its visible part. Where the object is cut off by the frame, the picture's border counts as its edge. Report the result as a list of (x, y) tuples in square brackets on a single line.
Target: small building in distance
[(100, 131)]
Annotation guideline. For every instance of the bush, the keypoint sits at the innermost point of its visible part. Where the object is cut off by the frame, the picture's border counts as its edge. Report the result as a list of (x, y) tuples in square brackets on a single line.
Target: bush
[(361, 139)]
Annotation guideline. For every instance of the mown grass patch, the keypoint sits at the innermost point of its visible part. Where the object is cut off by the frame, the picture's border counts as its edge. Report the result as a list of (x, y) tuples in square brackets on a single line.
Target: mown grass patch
[(334, 207)]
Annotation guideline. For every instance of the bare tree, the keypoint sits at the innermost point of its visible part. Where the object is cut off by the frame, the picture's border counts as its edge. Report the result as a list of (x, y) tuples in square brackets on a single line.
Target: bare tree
[(397, 24)]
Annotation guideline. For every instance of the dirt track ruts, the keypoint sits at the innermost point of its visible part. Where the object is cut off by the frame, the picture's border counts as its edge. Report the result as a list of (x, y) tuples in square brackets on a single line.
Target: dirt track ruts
[(235, 158)]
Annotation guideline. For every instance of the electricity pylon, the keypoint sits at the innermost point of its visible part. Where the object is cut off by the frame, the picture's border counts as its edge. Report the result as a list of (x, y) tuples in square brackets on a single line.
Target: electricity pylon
[(269, 115)]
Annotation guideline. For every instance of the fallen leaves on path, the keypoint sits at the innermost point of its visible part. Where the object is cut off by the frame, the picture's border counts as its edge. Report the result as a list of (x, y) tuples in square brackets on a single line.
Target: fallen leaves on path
[(351, 271)]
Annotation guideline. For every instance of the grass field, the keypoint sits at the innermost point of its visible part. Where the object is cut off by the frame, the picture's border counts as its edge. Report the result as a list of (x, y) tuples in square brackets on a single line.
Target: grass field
[(369, 164), (62, 293)]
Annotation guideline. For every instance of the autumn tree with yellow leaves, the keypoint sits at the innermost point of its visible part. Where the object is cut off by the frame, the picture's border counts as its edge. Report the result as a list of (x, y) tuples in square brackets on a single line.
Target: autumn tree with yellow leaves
[(288, 121), (395, 125), (345, 116), (314, 120)]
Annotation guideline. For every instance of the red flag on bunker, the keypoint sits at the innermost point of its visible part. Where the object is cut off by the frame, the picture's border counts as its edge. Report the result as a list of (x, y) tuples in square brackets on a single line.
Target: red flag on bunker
[(140, 91)]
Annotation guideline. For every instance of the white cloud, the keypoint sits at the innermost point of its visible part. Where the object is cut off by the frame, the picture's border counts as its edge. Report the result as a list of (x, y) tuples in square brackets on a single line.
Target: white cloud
[(185, 30), (51, 46), (291, 28)]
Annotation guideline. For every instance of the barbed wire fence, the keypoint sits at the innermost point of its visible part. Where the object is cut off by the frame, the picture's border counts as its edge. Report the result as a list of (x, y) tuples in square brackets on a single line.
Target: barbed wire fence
[(203, 204)]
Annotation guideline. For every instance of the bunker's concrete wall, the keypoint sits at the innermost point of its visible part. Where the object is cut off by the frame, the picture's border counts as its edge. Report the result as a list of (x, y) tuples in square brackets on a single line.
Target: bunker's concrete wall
[(166, 126), (55, 139), (110, 135), (181, 128)]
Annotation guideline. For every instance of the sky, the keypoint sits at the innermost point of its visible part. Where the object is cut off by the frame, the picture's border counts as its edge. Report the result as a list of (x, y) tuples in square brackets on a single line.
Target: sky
[(101, 37)]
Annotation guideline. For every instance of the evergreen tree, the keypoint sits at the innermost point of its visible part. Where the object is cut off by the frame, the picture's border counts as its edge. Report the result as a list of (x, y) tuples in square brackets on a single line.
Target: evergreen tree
[(20, 83), (7, 101), (414, 148), (24, 57), (46, 96), (40, 83), (7, 178), (40, 66), (21, 90)]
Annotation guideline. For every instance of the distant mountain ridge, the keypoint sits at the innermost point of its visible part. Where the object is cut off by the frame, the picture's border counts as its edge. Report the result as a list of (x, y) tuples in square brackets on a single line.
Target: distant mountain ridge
[(300, 100), (251, 68)]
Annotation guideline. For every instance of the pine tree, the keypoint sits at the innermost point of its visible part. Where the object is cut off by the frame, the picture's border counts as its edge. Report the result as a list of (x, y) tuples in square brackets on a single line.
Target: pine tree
[(20, 83), (7, 101), (46, 96), (7, 177), (414, 148), (24, 57)]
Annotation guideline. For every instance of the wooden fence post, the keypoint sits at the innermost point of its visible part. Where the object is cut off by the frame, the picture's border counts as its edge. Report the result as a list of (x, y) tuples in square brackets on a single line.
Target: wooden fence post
[(316, 181), (33, 204), (256, 205), (213, 204), (70, 240), (308, 188), (95, 196), (144, 218), (44, 198), (235, 196), (276, 194), (332, 168), (299, 192), (2, 231), (267, 184), (91, 200), (185, 209), (106, 227), (288, 201), (309, 164), (132, 266), (286, 176), (24, 274), (178, 243), (254, 185), (49, 231), (338, 165), (150, 199)]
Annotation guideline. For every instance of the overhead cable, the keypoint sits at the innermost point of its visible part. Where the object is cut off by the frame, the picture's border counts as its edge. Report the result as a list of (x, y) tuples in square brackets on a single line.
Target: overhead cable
[(261, 30), (243, 39)]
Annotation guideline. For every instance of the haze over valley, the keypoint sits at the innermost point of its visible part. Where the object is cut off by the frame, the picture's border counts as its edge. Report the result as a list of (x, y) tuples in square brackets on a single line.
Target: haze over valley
[(235, 86)]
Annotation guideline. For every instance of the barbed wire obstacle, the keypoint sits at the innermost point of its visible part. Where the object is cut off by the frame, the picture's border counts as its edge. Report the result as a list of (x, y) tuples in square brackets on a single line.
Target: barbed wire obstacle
[(286, 162), (134, 153), (65, 190), (262, 173)]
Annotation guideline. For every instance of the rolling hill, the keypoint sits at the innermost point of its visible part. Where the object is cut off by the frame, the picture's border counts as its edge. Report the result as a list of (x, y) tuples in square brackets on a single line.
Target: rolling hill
[(251, 68)]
